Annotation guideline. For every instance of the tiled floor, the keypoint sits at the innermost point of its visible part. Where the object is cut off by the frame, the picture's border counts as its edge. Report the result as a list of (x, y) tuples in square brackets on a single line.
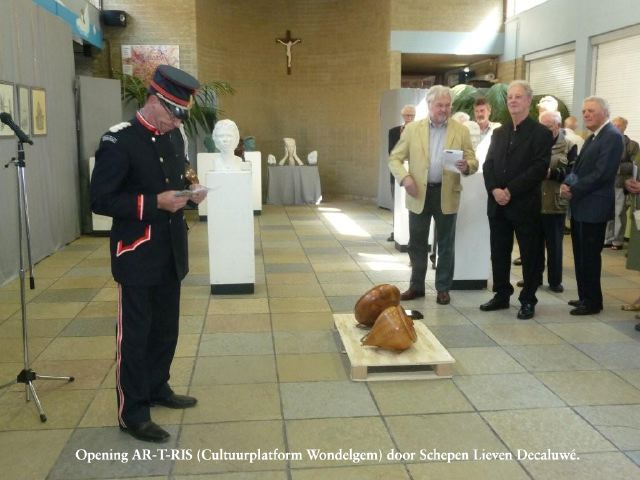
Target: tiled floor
[(270, 377)]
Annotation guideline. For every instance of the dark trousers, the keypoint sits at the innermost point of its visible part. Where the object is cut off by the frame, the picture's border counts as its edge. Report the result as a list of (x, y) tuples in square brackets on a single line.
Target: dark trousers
[(551, 241), (587, 240), (147, 334), (527, 231), (419, 224)]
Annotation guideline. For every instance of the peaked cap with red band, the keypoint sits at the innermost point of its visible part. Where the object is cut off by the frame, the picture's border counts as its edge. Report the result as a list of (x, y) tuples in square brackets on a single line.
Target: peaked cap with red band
[(174, 86)]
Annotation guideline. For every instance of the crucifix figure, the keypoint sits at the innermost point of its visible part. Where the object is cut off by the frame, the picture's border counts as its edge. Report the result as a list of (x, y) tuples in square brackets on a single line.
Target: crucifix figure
[(288, 42)]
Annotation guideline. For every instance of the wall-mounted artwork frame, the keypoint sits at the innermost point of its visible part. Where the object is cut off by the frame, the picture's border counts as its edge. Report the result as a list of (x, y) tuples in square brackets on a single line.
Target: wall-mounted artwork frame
[(24, 109), (7, 104), (39, 111)]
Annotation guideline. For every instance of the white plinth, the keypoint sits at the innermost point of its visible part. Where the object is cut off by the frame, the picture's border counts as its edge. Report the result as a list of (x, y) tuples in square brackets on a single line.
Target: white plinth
[(99, 223), (472, 250), (473, 256), (230, 227), (256, 180), (205, 164)]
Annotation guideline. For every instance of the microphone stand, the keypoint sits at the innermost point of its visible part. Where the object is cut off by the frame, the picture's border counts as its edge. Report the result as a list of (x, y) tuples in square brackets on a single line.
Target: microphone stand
[(27, 375)]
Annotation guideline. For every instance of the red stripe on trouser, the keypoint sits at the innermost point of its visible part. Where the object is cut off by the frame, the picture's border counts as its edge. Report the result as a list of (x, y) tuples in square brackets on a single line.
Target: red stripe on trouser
[(119, 358)]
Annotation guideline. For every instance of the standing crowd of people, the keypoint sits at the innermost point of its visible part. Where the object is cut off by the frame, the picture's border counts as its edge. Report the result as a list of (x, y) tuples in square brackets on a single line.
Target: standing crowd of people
[(536, 173)]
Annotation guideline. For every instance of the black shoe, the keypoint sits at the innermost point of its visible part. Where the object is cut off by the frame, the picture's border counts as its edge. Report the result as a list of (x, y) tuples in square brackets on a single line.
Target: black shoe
[(147, 432), (556, 288), (520, 283), (575, 303), (637, 327), (517, 261), (584, 310), (496, 303), (176, 401), (390, 238), (527, 311)]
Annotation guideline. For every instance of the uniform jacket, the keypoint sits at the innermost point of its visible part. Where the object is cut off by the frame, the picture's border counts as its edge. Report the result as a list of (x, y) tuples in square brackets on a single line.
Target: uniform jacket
[(414, 145), (592, 196), (133, 165), (517, 161)]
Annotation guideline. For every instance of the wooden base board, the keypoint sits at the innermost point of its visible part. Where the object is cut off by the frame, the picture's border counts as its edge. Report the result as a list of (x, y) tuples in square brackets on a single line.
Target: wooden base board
[(427, 359)]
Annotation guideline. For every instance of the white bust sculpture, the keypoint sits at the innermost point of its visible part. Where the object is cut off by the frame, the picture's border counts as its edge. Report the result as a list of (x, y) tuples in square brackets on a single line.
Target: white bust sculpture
[(290, 153), (226, 137), (271, 159), (312, 158)]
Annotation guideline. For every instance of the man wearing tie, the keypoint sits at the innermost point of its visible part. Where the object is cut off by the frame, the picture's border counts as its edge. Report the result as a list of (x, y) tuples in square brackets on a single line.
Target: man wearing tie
[(432, 190), (408, 114), (590, 191)]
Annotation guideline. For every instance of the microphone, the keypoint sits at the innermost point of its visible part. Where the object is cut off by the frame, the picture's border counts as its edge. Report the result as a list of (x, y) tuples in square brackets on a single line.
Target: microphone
[(8, 121)]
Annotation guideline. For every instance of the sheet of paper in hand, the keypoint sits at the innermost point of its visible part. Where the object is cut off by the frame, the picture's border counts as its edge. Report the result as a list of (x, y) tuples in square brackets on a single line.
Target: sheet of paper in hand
[(449, 159)]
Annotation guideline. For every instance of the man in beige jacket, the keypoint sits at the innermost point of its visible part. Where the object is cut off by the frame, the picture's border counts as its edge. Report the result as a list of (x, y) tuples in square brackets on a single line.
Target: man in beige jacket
[(432, 189)]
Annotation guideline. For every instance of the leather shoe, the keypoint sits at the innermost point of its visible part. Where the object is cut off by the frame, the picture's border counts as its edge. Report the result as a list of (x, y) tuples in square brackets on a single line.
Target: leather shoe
[(637, 327), (443, 298), (390, 238), (520, 283), (517, 261), (411, 294), (496, 303), (176, 401), (147, 432), (584, 310), (575, 303), (527, 311), (556, 288)]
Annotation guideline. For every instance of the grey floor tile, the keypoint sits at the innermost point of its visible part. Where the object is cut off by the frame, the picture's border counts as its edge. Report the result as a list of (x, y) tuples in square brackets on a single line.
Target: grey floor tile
[(596, 387), (613, 355), (302, 342), (343, 304), (551, 358), (506, 391), (451, 336), (591, 466), (114, 442), (288, 267), (231, 369), (559, 429), (410, 397), (618, 423), (90, 327), (67, 295), (326, 400), (236, 344), (479, 360)]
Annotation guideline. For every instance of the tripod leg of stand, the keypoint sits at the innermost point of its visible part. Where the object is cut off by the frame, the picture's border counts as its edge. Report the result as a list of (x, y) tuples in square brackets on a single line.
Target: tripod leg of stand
[(50, 377), (43, 417)]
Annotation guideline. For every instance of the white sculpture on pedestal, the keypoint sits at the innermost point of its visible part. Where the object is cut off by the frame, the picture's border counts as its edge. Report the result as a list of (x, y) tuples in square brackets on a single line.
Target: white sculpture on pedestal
[(226, 137), (312, 158), (290, 153), (271, 159)]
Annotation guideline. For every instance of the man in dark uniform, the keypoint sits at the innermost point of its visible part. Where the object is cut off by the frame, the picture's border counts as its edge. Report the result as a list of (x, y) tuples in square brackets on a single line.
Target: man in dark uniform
[(139, 181)]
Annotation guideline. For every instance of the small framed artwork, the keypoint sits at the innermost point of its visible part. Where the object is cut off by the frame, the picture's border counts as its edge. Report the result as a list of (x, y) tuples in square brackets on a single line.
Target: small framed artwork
[(39, 111), (7, 104), (24, 109)]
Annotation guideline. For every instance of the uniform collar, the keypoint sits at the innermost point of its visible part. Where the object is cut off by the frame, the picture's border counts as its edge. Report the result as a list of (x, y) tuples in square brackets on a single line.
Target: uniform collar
[(143, 121)]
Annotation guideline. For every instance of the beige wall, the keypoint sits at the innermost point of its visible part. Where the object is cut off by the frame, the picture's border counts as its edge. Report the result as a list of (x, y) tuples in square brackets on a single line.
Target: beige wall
[(511, 70), (329, 103), (436, 15), (150, 22)]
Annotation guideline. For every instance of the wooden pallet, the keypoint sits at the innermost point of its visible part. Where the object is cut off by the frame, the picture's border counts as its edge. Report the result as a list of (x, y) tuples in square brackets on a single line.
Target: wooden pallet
[(427, 359)]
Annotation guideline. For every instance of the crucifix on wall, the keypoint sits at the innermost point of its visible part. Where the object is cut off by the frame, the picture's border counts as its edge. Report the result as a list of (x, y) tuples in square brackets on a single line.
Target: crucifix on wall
[(288, 42)]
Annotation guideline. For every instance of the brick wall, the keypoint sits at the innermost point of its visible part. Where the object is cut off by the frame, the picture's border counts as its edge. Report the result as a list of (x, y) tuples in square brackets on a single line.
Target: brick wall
[(150, 22), (330, 102), (449, 16)]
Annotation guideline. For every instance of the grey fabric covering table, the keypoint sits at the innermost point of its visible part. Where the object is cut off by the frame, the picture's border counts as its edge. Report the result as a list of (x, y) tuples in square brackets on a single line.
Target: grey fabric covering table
[(295, 185)]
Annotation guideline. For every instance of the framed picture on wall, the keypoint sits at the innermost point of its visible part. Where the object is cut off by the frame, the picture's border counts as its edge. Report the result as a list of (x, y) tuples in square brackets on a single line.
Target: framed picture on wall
[(7, 104), (24, 109), (39, 111)]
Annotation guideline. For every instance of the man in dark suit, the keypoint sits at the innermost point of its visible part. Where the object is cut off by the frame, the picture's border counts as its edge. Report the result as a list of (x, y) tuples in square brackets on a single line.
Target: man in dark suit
[(139, 180), (592, 199), (408, 113), (516, 164)]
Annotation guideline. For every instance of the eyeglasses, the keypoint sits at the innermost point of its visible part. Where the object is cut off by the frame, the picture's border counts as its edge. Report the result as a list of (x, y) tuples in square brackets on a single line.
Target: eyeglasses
[(174, 111)]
